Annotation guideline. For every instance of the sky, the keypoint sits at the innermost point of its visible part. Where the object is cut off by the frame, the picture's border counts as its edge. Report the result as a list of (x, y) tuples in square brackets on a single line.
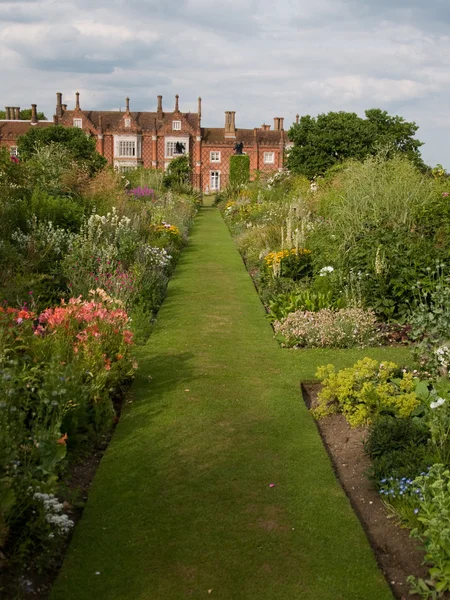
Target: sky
[(263, 59)]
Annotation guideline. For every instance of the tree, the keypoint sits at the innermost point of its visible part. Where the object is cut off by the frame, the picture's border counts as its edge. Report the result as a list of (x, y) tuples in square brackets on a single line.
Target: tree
[(25, 115), (329, 139), (239, 169), (81, 147), (178, 173)]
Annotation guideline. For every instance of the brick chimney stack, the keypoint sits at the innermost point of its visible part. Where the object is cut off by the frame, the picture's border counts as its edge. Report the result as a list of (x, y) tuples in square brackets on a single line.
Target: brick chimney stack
[(276, 124), (159, 111), (230, 126), (17, 113), (297, 118), (127, 101), (265, 127), (34, 114), (176, 103), (7, 113), (77, 103), (199, 109), (59, 105)]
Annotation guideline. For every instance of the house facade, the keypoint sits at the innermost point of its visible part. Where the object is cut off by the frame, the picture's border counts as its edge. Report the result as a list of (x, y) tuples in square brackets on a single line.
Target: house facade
[(129, 139)]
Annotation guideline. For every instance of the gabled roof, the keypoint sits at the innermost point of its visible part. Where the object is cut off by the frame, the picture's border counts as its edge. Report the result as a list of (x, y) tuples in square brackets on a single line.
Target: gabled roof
[(216, 135), (111, 120), (12, 129)]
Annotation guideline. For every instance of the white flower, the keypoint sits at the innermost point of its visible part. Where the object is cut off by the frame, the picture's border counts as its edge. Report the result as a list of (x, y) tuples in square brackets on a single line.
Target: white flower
[(325, 270), (437, 403)]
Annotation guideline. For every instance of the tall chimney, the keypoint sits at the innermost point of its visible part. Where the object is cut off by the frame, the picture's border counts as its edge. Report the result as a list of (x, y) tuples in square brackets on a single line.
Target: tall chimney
[(7, 113), (33, 114), (199, 109), (127, 100), (230, 126), (297, 118), (17, 113), (281, 123), (276, 123), (77, 103), (176, 103), (59, 107), (160, 108)]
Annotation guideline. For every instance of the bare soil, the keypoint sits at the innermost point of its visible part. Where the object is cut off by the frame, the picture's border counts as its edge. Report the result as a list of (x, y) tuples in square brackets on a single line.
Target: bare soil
[(396, 553)]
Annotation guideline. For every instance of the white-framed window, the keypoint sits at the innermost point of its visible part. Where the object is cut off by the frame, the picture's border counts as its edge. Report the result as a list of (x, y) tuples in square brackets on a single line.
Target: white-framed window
[(214, 156), (269, 158), (126, 168), (214, 180), (78, 123), (127, 122), (13, 151), (127, 148), (176, 125), (175, 148)]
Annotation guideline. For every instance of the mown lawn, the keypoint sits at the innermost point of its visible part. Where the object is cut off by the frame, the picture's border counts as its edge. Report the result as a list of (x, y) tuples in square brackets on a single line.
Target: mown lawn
[(182, 505)]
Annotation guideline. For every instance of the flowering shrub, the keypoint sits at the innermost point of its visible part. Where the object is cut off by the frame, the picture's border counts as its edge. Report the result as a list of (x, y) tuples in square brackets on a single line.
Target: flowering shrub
[(59, 371), (139, 192), (327, 328), (366, 390), (294, 263)]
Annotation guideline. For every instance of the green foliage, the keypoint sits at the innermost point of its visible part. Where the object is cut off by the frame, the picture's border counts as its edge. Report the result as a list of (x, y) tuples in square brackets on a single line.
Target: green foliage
[(387, 222), (398, 448), (430, 322), (25, 115), (283, 304), (388, 434), (178, 174), (239, 169), (365, 391), (82, 148), (434, 532), (329, 139), (63, 212)]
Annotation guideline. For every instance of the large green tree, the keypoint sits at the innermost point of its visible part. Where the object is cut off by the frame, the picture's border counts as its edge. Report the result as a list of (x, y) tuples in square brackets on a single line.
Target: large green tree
[(329, 139), (81, 147)]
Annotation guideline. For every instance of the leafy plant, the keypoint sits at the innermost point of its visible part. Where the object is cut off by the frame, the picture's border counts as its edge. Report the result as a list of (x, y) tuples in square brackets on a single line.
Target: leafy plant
[(434, 532), (239, 169), (307, 300), (365, 391)]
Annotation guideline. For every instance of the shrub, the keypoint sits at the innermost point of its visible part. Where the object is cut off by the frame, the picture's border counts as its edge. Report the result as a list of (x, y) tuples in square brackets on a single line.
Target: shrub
[(239, 169), (327, 328), (294, 263), (282, 305), (365, 391), (59, 371), (434, 532)]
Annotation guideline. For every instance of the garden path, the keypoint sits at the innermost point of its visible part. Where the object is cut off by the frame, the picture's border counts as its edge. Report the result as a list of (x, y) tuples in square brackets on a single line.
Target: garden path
[(216, 483)]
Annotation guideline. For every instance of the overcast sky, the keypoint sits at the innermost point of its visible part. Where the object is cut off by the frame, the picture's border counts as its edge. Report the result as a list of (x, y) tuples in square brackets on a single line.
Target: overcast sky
[(263, 59)]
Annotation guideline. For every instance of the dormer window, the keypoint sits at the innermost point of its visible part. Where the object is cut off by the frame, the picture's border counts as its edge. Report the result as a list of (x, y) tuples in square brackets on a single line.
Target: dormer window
[(176, 125), (127, 122), (78, 123)]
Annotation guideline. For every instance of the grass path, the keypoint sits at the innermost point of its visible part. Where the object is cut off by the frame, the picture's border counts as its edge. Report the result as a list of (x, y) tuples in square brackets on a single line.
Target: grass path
[(181, 503)]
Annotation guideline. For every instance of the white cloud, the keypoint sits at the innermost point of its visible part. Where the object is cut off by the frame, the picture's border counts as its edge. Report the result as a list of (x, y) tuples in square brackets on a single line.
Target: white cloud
[(262, 59)]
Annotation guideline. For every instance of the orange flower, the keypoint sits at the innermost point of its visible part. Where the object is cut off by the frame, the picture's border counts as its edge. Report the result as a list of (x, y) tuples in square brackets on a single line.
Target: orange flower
[(62, 440)]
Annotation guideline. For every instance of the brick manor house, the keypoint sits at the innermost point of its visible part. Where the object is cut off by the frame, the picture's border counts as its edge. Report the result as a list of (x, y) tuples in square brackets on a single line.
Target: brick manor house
[(152, 139)]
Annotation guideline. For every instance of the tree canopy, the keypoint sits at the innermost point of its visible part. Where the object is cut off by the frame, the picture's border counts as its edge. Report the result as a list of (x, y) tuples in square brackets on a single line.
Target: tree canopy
[(25, 115), (329, 139), (81, 147)]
